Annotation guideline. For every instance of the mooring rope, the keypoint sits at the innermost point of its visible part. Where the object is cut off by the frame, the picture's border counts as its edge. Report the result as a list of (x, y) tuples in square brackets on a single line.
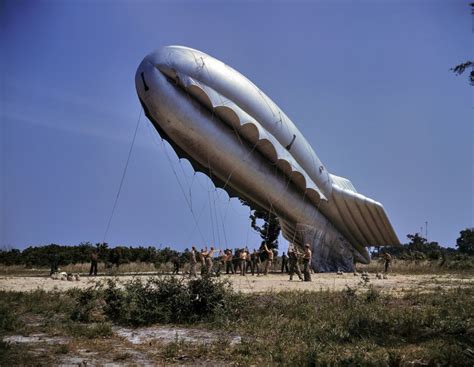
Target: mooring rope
[(123, 177)]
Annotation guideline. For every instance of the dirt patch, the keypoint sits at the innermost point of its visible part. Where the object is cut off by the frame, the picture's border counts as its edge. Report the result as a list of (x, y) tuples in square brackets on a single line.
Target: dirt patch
[(395, 283), (166, 335), (35, 338)]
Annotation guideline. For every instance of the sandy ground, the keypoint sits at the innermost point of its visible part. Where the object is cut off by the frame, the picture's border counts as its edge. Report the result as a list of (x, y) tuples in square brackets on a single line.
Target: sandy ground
[(395, 283)]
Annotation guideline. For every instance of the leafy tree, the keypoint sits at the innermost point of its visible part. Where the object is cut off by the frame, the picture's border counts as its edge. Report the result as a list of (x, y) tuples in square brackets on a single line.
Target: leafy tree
[(465, 242), (417, 249), (165, 255), (459, 69), (269, 230)]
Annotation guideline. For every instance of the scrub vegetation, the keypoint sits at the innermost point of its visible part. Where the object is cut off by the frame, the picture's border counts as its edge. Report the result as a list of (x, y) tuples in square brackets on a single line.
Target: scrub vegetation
[(351, 327), (418, 256)]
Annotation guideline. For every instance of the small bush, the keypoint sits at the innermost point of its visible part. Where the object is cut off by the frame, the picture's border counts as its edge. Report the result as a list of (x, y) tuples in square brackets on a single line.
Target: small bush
[(87, 305), (372, 295)]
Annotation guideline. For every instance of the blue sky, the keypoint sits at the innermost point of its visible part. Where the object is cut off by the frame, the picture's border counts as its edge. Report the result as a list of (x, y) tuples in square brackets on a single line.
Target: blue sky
[(367, 83)]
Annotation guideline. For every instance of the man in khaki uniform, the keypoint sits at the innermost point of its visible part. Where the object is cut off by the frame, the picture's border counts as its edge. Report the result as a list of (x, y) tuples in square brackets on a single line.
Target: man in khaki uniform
[(255, 262), (293, 261), (193, 263), (243, 262), (269, 263), (210, 261), (387, 260)]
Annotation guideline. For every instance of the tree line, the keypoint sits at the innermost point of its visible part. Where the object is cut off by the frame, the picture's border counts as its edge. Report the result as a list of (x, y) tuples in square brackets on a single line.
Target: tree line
[(41, 256), (418, 248)]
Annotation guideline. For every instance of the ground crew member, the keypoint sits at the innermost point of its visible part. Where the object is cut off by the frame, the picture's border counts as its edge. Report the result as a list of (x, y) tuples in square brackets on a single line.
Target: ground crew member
[(94, 261), (269, 262), (255, 262), (243, 262), (388, 259), (249, 260), (293, 260), (209, 261), (307, 263), (221, 262), (54, 260), (284, 263), (176, 263), (192, 263), (229, 266), (202, 256)]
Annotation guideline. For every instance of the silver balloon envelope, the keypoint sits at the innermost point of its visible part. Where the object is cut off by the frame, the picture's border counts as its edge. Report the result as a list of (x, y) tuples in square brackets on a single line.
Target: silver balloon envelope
[(230, 130)]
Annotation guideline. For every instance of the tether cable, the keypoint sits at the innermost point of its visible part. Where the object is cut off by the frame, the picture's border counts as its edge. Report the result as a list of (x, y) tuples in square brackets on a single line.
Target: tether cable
[(123, 177)]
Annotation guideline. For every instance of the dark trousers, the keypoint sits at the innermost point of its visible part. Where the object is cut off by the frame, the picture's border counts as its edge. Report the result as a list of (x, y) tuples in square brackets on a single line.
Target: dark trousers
[(284, 266), (93, 268), (243, 267), (255, 267), (229, 267)]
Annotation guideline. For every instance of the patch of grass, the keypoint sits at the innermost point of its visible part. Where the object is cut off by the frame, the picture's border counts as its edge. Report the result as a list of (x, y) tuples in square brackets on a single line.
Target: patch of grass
[(345, 328), (62, 349), (9, 320), (90, 331), (295, 327), (21, 355)]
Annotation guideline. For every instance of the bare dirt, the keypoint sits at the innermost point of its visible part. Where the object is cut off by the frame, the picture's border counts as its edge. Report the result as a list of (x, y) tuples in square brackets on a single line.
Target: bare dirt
[(277, 282)]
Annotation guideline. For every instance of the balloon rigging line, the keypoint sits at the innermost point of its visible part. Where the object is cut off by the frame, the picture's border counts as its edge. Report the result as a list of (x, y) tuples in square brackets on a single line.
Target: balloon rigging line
[(216, 217), (223, 220), (219, 215), (187, 181), (211, 217), (182, 189), (156, 142), (248, 227), (201, 211), (123, 177)]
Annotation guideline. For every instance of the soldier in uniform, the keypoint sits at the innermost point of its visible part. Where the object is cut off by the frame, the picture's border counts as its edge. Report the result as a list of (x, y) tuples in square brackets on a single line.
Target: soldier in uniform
[(220, 262), (293, 260), (243, 262), (269, 262), (284, 263), (176, 265), (229, 266), (94, 261), (192, 263), (209, 261), (307, 263), (255, 262), (202, 258), (387, 260)]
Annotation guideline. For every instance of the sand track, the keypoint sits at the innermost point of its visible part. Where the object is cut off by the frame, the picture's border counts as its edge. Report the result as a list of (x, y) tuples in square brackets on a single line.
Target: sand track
[(395, 283)]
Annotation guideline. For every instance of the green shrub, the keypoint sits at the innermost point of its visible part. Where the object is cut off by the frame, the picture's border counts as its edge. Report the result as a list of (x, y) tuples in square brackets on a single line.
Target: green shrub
[(167, 300), (8, 318), (87, 304)]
